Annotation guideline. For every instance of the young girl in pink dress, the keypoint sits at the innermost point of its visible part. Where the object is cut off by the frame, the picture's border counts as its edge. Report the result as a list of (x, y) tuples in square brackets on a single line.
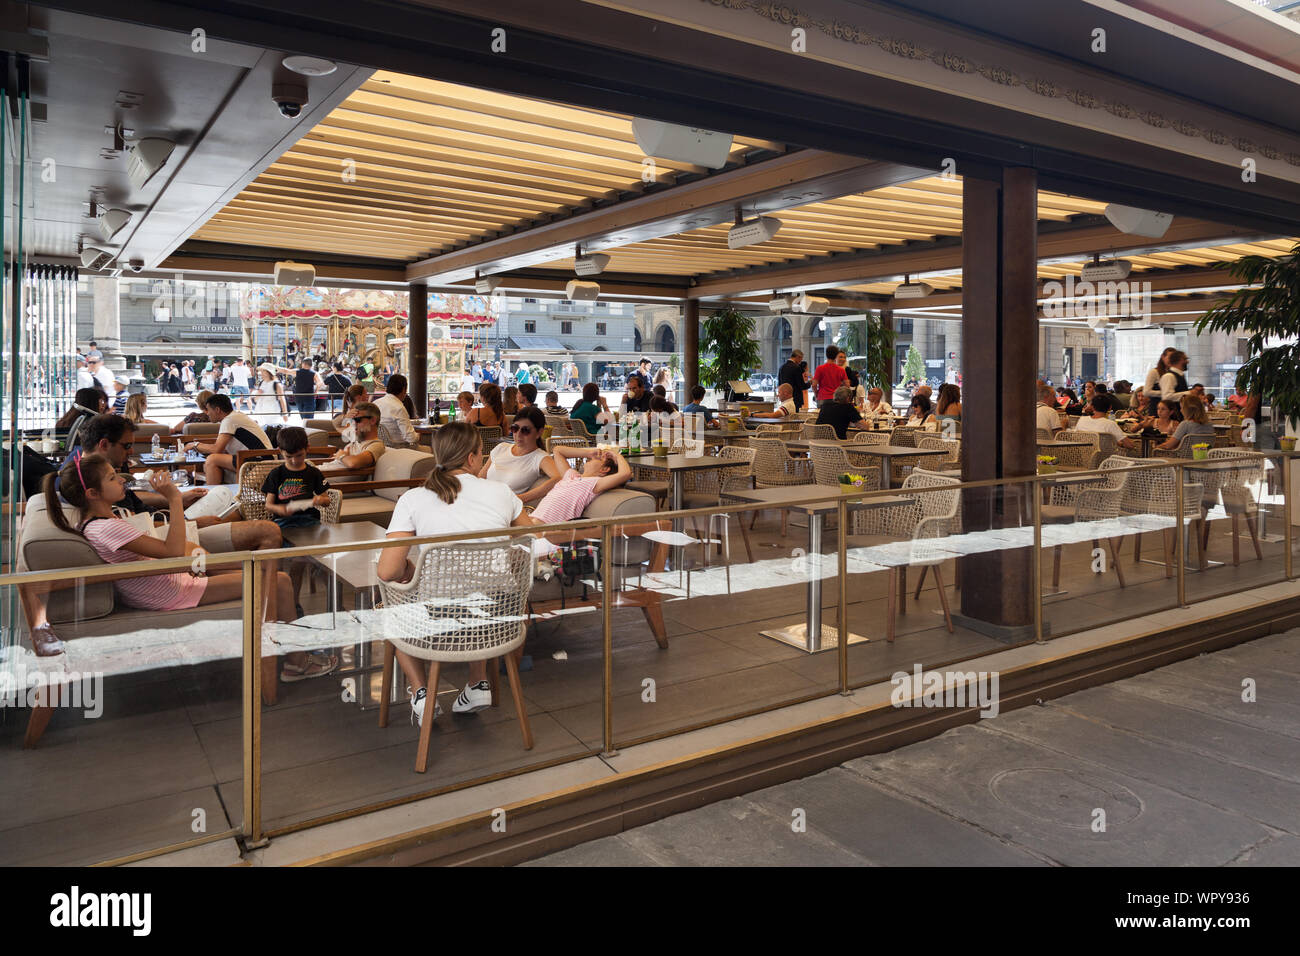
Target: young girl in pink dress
[(93, 486)]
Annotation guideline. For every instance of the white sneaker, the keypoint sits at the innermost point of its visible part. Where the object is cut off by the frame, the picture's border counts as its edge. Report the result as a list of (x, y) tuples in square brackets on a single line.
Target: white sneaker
[(473, 698), (417, 707)]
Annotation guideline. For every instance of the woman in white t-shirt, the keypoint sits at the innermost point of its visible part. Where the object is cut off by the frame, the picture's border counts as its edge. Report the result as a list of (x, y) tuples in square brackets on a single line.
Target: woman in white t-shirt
[(522, 463), (453, 499)]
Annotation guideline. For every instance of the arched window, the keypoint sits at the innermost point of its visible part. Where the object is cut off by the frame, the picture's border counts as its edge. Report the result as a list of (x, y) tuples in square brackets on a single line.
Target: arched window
[(636, 340), (665, 341), (782, 330)]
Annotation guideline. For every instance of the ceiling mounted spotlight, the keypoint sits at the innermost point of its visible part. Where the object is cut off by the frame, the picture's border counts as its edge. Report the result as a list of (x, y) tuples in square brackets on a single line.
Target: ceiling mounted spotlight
[(1098, 271), (112, 222), (590, 265), (751, 232), (912, 290), (147, 157)]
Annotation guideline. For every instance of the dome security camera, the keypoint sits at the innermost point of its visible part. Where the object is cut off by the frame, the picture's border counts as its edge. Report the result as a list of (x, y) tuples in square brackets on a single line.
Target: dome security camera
[(290, 97)]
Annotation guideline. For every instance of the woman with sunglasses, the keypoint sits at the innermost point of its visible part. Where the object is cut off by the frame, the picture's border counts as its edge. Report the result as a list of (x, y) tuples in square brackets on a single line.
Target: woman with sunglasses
[(523, 464)]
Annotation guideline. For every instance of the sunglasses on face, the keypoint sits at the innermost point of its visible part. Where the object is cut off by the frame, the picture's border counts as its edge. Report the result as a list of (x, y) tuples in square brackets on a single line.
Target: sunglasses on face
[(521, 429)]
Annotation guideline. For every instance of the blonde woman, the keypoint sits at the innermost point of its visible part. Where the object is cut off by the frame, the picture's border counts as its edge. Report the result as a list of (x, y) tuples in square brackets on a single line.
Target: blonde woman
[(1195, 421), (136, 406), (452, 499)]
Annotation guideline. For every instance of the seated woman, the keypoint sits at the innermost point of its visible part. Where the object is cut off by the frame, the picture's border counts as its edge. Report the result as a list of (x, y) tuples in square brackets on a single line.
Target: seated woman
[(1195, 422), (603, 471), (201, 399), (453, 498), (1165, 420), (1069, 401), (918, 413), (354, 394), (93, 486), (492, 413), (521, 464), (510, 401), (86, 404), (664, 414), (840, 412), (591, 409), (948, 405), (136, 406)]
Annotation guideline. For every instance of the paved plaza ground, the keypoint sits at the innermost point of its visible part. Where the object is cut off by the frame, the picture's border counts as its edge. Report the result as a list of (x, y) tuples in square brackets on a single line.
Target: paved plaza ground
[(1186, 772)]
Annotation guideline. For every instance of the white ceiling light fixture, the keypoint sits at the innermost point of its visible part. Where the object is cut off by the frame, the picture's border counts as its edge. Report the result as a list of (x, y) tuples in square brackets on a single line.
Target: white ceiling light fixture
[(779, 303), (682, 144), (309, 65), (580, 291), (1138, 222), (590, 265), (751, 232), (95, 259), (912, 290), (147, 157), (486, 285), (811, 304), (1110, 271), (112, 222), (294, 273)]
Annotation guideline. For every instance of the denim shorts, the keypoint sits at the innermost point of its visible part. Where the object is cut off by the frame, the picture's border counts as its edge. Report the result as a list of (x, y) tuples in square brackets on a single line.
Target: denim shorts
[(301, 519)]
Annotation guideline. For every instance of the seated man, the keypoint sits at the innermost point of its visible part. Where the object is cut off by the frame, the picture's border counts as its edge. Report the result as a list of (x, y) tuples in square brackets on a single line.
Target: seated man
[(364, 451), (1048, 415), (528, 396), (839, 413), (785, 401), (553, 404), (237, 433), (1100, 421), (395, 426), (637, 398), (876, 406), (695, 408)]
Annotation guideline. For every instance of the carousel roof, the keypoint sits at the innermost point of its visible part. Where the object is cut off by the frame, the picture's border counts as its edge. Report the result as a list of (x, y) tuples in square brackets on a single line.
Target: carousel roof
[(311, 302)]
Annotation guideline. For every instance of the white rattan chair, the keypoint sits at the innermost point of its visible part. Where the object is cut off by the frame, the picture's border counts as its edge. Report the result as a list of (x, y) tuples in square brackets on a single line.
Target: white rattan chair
[(252, 500), (706, 488), (1153, 492), (465, 602), (1238, 490), (1094, 501), (819, 432), (774, 468)]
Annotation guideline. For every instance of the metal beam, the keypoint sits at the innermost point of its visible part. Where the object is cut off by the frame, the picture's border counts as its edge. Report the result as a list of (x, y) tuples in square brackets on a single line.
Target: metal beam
[(794, 179)]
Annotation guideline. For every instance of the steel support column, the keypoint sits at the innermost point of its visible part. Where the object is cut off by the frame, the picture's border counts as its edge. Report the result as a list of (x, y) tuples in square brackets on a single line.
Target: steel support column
[(417, 312)]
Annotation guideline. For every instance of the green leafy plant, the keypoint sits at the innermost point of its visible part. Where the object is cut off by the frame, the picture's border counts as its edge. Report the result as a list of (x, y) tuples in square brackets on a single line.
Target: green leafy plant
[(869, 338), (727, 339), (1268, 310), (914, 367)]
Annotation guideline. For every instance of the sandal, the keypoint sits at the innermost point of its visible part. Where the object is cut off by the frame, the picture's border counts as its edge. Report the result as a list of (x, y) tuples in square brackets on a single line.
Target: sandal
[(317, 665)]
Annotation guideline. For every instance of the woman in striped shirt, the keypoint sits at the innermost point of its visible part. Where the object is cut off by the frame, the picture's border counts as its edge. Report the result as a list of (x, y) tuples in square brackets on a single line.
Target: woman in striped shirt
[(93, 486)]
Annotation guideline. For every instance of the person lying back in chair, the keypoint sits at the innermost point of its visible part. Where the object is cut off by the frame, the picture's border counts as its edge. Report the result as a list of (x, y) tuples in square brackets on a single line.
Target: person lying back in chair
[(602, 471)]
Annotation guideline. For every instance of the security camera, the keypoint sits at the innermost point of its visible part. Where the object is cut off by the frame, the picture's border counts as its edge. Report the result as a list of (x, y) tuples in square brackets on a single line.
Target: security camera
[(136, 265), (290, 97)]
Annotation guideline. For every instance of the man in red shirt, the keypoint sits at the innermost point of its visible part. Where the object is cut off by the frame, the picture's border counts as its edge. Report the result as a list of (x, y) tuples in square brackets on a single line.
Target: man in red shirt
[(829, 376)]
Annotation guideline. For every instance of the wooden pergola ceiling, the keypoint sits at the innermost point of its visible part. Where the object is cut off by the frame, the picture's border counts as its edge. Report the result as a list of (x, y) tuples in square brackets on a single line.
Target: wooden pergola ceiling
[(921, 210), (407, 168), (1203, 258)]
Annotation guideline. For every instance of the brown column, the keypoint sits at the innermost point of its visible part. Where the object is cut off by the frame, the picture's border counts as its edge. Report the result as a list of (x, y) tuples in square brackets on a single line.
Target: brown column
[(691, 345), (999, 338), (417, 350), (887, 323)]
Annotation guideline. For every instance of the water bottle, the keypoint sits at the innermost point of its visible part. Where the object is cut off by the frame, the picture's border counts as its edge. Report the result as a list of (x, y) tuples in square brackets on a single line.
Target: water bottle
[(634, 436), (155, 446)]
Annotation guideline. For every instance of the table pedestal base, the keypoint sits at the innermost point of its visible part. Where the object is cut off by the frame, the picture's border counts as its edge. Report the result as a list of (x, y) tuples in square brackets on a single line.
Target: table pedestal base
[(796, 635)]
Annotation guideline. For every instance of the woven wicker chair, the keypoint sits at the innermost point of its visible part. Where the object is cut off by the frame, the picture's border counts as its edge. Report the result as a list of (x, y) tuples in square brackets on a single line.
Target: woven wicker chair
[(1094, 501), (819, 433), (1238, 490), (1079, 457), (1152, 491), (829, 461), (252, 500), (490, 435), (904, 436), (926, 520), (559, 441), (559, 424), (777, 429), (465, 602), (774, 468), (951, 446), (1044, 434), (1184, 447), (870, 438)]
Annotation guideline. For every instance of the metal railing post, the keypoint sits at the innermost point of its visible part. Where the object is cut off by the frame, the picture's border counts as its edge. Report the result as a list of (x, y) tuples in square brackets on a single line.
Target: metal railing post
[(252, 824), (842, 545), (1036, 568), (607, 608), (1286, 512), (1180, 535)]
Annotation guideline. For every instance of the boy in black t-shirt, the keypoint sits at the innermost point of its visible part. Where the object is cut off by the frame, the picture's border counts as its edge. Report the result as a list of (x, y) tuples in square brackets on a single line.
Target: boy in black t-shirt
[(294, 490)]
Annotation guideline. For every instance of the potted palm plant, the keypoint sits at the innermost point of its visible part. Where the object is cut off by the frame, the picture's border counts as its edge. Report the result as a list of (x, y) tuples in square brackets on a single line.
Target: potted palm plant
[(727, 338)]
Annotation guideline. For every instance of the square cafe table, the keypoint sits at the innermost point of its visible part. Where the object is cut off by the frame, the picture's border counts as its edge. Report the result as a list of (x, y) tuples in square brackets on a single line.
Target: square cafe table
[(811, 635), (886, 455)]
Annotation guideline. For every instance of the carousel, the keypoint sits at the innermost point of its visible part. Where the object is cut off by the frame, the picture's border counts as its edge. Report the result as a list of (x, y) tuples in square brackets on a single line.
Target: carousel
[(359, 325)]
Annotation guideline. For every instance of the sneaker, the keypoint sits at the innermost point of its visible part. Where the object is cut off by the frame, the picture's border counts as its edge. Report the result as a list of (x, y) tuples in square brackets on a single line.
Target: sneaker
[(473, 698), (417, 707)]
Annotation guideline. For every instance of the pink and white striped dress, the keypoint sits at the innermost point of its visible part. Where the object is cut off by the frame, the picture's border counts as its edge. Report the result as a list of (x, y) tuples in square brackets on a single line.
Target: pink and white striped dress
[(567, 499), (158, 592)]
